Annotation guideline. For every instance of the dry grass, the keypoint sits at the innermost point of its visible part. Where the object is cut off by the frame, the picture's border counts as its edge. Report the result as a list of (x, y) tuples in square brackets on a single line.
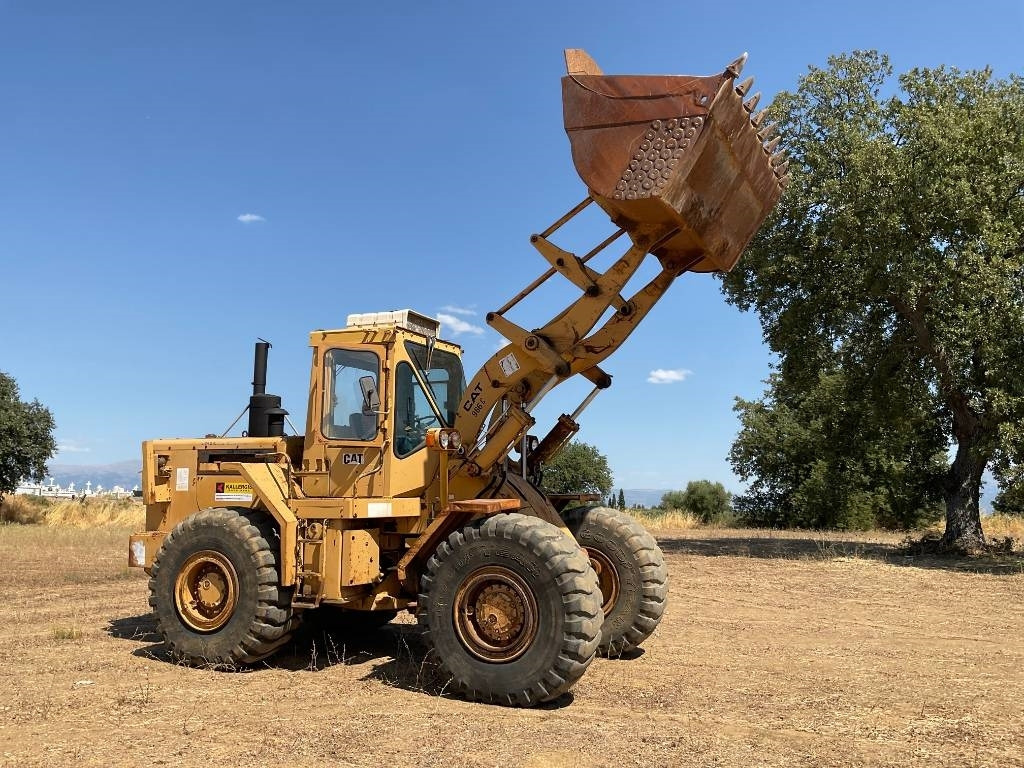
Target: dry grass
[(73, 513), (1006, 531), (51, 555), (659, 520), (67, 633), (777, 649), (1005, 527)]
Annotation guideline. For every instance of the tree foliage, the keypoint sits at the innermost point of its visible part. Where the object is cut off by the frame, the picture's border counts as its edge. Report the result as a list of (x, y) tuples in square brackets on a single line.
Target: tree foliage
[(1010, 500), (707, 500), (26, 437), (673, 500), (578, 468), (894, 260), (825, 457)]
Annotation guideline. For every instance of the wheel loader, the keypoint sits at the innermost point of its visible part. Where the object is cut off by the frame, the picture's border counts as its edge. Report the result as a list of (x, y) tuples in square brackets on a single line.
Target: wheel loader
[(414, 490)]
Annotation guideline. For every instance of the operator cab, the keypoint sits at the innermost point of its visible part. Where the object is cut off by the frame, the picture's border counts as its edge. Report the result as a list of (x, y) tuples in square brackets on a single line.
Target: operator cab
[(429, 381), (378, 385)]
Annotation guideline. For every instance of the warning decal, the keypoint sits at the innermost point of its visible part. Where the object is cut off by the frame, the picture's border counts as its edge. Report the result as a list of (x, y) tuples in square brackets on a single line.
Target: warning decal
[(509, 364), (232, 492)]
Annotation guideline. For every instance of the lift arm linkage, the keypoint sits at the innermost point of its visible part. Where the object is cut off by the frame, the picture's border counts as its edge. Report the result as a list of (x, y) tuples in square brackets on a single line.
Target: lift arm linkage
[(506, 388)]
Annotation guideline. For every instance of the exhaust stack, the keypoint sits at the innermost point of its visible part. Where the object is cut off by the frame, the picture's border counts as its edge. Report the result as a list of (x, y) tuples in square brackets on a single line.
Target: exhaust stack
[(266, 416)]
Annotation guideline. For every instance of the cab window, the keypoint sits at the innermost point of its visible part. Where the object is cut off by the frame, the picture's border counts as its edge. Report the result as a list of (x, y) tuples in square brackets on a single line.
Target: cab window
[(352, 378), (413, 414), (443, 373)]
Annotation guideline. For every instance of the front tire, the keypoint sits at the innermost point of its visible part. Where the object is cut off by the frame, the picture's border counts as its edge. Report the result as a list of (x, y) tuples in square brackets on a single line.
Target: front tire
[(512, 609), (631, 570), (215, 589)]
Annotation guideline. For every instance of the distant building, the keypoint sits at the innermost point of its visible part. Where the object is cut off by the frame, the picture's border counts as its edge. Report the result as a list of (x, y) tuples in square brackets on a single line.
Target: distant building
[(52, 490)]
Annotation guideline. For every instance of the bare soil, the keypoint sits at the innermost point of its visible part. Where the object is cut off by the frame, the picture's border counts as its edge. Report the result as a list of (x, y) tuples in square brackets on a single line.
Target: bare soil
[(777, 649)]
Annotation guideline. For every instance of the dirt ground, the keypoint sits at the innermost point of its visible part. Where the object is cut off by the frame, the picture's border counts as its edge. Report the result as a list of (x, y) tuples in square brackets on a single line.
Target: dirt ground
[(775, 650)]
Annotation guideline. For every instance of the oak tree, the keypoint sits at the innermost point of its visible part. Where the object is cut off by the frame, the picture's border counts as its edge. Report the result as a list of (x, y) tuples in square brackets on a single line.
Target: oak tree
[(896, 256), (578, 468), (26, 437)]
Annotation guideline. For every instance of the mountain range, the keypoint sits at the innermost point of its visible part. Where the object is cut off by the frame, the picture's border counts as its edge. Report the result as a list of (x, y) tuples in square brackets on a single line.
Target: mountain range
[(128, 474)]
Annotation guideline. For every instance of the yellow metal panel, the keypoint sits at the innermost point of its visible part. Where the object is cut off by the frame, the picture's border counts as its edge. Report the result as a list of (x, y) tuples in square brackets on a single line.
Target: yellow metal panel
[(349, 508), (142, 548), (332, 563), (383, 507), (271, 485), (321, 509), (360, 557)]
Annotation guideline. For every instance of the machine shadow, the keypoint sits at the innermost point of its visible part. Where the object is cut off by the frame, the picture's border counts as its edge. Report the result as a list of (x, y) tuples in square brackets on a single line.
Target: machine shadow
[(809, 546), (396, 651), (394, 655)]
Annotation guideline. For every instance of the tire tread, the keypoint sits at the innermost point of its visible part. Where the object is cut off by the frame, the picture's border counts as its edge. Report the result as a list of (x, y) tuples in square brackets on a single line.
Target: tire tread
[(272, 622)]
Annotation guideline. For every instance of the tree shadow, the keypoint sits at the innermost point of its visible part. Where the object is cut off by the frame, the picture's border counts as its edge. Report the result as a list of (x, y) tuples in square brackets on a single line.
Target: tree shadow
[(811, 546)]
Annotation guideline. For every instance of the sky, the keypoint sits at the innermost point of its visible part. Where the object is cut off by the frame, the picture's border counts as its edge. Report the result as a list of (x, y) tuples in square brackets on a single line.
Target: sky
[(177, 180)]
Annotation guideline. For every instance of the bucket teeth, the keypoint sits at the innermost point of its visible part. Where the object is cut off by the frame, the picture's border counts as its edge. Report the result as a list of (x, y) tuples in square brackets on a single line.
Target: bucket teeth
[(771, 145), (782, 169), (778, 157), (734, 69), (743, 87), (757, 119), (752, 102), (784, 181), (767, 131)]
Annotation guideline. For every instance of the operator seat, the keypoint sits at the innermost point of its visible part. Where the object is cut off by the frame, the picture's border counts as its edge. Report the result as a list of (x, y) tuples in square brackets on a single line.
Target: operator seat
[(364, 426)]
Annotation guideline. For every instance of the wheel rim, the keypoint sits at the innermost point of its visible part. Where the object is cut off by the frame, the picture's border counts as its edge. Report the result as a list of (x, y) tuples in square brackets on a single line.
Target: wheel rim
[(495, 614), (607, 578), (206, 591)]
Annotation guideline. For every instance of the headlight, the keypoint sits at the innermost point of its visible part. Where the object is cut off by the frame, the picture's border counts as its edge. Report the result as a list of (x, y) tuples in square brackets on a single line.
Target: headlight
[(444, 439)]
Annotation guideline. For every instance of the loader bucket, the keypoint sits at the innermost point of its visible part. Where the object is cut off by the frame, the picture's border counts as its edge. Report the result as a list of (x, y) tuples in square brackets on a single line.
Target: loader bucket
[(673, 159)]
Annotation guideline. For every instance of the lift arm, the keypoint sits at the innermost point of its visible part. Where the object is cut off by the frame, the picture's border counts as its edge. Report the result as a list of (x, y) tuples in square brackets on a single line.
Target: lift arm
[(683, 169)]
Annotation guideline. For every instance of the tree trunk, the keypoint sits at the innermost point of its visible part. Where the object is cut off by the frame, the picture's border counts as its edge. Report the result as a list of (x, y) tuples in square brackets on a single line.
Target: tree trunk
[(962, 491)]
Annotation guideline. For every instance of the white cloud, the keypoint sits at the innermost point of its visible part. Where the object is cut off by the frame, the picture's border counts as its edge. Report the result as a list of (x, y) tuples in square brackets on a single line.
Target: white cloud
[(458, 326), (668, 375), (70, 446), (452, 310), (249, 218)]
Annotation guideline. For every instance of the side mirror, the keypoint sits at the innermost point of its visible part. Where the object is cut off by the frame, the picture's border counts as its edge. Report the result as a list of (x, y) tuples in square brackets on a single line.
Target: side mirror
[(371, 400)]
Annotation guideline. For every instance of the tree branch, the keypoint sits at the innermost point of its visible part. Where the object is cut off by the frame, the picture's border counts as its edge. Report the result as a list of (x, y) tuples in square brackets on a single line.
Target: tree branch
[(965, 421)]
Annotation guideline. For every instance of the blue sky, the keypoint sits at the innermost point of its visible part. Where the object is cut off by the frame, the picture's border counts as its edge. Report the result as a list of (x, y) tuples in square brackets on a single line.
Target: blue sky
[(387, 156)]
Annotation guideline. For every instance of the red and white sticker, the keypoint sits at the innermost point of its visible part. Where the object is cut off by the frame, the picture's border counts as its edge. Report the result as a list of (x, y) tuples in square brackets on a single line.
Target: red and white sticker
[(232, 492)]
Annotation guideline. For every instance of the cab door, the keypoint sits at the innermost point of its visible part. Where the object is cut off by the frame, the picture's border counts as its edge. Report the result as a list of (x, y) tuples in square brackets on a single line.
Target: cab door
[(347, 447)]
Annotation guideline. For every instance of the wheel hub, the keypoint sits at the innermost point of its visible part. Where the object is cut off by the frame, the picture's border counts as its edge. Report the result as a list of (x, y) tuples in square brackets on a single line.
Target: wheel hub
[(607, 578), (499, 613), (206, 591), (495, 614)]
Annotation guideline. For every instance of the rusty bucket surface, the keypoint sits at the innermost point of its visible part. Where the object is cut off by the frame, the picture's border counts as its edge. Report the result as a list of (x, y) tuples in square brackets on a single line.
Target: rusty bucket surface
[(674, 159)]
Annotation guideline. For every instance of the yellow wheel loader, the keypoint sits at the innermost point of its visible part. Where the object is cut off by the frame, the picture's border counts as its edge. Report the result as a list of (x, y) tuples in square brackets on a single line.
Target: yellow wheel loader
[(403, 494)]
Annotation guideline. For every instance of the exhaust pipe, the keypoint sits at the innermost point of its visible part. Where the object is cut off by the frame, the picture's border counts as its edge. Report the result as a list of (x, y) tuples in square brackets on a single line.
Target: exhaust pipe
[(266, 416)]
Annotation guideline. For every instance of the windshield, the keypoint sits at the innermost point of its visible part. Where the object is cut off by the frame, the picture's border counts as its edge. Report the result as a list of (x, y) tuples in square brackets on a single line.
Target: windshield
[(425, 397), (444, 377)]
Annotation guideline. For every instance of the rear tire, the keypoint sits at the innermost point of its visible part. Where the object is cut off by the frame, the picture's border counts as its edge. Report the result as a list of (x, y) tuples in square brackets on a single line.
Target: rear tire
[(631, 570), (512, 609), (215, 589)]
